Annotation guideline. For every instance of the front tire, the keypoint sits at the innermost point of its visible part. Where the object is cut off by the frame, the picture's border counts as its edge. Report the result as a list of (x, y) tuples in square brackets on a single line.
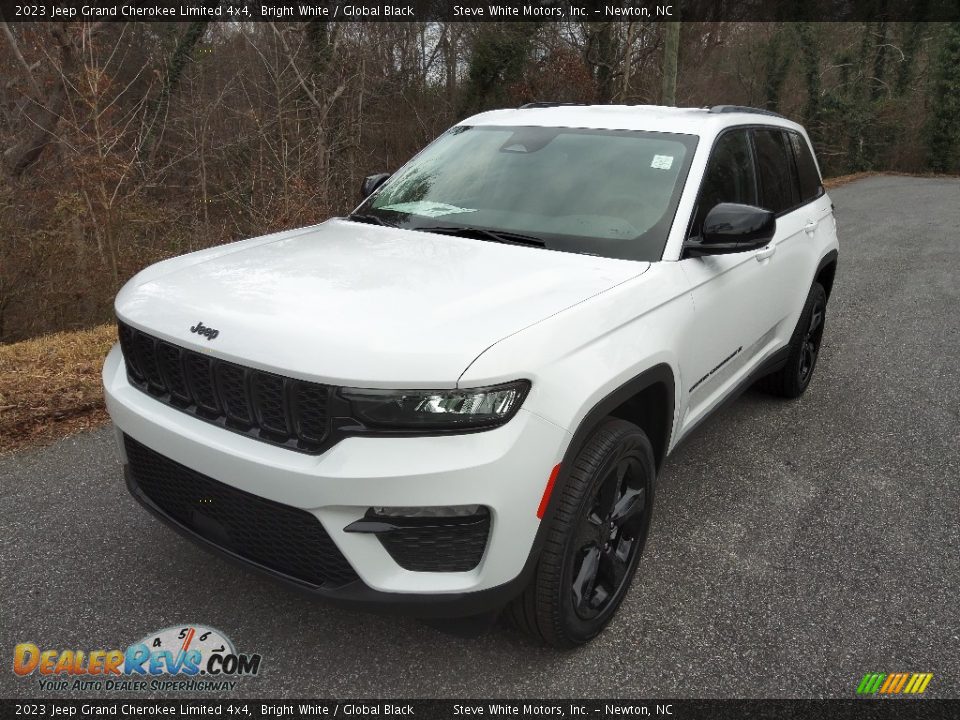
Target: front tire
[(792, 380), (594, 541)]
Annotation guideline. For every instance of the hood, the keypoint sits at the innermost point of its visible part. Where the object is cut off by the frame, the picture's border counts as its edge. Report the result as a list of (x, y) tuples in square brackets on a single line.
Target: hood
[(352, 304)]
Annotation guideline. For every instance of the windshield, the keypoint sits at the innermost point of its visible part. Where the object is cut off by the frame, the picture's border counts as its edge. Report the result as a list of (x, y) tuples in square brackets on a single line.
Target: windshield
[(611, 193)]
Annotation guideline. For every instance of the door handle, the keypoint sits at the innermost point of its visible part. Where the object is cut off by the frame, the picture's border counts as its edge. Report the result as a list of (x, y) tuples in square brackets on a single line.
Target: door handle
[(810, 228), (766, 252)]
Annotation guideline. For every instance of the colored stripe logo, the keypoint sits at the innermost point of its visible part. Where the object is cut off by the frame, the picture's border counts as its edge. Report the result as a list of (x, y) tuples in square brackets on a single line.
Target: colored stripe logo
[(894, 683)]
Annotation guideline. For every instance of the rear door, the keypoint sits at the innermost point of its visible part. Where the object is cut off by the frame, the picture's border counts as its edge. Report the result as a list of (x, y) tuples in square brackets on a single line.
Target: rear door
[(817, 213), (790, 267)]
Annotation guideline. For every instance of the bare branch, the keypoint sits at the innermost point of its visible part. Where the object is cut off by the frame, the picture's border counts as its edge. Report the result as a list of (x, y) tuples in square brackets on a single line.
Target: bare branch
[(45, 116), (27, 71)]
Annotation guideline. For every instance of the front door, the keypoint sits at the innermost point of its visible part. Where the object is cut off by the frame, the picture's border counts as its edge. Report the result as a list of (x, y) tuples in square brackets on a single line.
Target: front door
[(734, 318)]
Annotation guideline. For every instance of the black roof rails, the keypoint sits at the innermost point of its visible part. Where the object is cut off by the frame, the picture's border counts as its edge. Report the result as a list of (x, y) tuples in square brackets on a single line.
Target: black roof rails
[(549, 104), (743, 109)]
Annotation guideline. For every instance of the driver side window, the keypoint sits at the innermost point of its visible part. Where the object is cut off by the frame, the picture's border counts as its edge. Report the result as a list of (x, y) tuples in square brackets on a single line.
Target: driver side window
[(730, 177)]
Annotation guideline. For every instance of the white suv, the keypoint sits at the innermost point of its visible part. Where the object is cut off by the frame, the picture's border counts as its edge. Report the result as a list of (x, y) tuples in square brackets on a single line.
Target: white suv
[(457, 399)]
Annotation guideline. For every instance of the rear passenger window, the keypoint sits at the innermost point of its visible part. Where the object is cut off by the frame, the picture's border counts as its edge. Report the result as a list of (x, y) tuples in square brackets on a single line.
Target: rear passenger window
[(779, 186), (730, 176), (810, 185)]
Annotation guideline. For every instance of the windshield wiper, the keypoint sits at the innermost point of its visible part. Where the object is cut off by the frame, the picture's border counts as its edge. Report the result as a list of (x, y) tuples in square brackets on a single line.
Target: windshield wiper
[(370, 220), (500, 236)]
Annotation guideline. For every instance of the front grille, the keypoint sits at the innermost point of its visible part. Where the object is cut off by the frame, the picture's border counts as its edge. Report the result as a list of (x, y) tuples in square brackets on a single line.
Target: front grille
[(279, 537), (438, 545), (269, 407)]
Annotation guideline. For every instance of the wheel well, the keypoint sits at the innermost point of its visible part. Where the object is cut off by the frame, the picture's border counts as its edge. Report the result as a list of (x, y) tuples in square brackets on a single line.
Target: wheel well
[(825, 276), (652, 410)]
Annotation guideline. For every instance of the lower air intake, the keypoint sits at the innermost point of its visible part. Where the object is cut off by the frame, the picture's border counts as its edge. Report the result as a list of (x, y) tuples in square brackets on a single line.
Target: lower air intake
[(278, 537)]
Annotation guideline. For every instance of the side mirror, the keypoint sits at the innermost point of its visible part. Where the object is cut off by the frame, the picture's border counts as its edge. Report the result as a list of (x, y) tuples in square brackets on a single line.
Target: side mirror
[(732, 228), (371, 183)]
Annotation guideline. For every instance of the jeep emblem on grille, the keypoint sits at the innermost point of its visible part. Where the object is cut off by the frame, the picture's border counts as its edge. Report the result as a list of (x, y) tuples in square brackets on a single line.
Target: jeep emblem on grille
[(201, 329)]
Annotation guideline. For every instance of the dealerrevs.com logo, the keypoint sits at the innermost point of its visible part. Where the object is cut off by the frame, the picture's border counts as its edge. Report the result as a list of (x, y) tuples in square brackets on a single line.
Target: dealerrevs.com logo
[(182, 657)]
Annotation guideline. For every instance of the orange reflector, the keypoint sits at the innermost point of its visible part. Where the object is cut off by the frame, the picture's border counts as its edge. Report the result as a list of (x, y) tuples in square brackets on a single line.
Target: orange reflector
[(544, 501)]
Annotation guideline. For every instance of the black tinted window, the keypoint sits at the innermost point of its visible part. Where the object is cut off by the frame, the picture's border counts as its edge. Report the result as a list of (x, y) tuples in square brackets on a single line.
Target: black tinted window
[(810, 186), (730, 176), (779, 187)]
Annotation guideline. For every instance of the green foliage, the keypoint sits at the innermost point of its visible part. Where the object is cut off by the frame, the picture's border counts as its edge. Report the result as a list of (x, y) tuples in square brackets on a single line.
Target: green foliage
[(910, 44), (810, 57), (778, 59), (498, 59), (856, 121), (318, 34), (943, 128), (176, 65)]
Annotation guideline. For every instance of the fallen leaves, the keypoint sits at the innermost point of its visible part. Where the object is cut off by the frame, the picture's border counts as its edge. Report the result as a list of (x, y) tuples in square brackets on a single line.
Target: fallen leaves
[(50, 386)]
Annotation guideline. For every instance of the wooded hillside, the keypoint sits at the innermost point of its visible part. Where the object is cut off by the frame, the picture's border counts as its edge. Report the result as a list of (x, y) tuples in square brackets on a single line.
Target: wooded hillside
[(126, 143)]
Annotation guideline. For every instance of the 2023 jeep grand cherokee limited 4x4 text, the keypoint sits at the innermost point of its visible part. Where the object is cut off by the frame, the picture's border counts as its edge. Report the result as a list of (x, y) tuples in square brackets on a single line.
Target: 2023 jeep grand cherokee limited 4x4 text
[(457, 398)]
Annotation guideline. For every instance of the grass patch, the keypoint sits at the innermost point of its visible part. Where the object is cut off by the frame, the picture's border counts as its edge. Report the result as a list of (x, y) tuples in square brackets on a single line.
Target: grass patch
[(838, 180), (50, 386)]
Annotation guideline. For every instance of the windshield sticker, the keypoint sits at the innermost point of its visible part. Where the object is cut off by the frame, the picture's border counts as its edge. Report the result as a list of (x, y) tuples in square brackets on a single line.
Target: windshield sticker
[(662, 162), (427, 208)]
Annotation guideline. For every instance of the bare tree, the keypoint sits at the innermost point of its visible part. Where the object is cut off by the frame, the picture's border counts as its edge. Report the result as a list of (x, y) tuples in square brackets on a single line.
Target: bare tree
[(41, 112)]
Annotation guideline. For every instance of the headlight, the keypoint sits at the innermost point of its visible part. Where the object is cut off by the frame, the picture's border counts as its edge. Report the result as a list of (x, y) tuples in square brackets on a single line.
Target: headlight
[(437, 409)]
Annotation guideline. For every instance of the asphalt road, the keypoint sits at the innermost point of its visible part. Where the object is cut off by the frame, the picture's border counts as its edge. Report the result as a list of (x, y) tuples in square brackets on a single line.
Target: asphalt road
[(795, 546)]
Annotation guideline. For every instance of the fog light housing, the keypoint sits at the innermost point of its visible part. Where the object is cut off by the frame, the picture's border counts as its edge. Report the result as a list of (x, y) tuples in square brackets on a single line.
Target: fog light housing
[(438, 538)]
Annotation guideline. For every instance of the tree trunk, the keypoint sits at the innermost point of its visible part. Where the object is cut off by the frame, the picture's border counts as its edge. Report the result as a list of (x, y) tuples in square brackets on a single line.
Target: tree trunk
[(175, 67), (321, 50), (450, 63), (601, 57), (878, 88), (628, 61), (911, 43), (43, 117), (778, 63), (671, 49), (810, 55)]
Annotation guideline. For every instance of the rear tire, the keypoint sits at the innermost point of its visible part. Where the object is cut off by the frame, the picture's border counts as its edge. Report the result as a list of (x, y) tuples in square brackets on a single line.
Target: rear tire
[(594, 541), (792, 380)]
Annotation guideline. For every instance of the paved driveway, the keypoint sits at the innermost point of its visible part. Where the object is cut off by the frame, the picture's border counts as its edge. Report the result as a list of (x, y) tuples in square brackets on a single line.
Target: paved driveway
[(796, 545)]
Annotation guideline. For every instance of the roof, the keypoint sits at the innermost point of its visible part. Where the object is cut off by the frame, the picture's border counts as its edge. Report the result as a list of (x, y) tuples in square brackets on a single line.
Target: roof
[(653, 118)]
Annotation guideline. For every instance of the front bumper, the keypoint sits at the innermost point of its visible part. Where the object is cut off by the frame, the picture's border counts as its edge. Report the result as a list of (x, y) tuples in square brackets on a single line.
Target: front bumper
[(504, 469)]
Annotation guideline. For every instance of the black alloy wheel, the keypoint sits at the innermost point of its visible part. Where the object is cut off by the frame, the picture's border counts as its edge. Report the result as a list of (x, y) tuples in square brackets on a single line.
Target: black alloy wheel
[(811, 341), (609, 536), (598, 526), (793, 378)]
